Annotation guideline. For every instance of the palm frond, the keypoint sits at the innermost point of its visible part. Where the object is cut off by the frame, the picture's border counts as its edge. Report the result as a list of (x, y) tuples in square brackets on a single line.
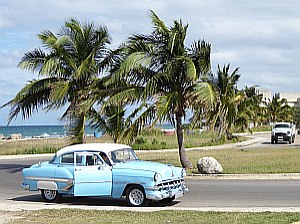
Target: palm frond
[(159, 25), (34, 96), (205, 92)]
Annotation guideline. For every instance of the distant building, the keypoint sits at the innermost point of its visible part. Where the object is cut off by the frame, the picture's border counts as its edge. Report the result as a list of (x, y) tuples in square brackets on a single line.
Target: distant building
[(293, 99), (266, 93)]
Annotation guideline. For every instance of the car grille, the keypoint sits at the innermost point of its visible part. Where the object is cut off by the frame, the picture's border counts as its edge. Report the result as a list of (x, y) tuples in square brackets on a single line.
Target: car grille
[(280, 134), (173, 184)]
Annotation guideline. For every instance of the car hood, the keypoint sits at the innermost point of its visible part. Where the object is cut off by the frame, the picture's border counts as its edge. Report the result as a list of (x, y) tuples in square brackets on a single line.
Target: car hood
[(282, 130), (167, 171)]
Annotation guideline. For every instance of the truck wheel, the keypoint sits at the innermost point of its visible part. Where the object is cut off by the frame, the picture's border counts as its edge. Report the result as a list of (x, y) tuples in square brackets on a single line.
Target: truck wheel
[(50, 195), (135, 196)]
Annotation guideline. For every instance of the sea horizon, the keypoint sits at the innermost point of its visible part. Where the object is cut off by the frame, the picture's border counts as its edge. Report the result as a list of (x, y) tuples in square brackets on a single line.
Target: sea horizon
[(50, 130), (38, 131)]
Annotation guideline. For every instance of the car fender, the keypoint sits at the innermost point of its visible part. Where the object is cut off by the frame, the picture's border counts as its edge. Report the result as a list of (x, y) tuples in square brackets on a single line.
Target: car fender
[(122, 178)]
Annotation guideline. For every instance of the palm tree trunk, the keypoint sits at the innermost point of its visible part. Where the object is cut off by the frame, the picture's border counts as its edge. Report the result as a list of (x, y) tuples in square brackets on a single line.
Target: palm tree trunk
[(79, 130), (184, 160)]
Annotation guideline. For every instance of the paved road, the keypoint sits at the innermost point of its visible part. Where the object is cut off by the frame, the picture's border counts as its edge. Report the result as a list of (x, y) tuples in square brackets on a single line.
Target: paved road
[(264, 141), (205, 194)]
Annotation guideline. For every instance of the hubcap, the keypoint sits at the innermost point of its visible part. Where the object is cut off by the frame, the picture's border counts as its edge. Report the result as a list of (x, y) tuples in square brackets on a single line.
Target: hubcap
[(50, 194), (136, 197)]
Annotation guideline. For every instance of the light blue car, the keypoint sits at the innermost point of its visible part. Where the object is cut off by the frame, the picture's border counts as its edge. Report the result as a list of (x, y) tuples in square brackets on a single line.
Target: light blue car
[(107, 170)]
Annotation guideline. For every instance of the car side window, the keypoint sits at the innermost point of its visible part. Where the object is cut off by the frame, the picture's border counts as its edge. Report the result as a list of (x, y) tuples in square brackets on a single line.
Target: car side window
[(79, 160), (67, 158), (93, 160)]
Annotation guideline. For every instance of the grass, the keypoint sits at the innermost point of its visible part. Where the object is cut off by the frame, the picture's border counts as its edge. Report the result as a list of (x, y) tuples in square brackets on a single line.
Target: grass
[(233, 161), (148, 140), (262, 128), (155, 139), (38, 146), (238, 161), (68, 216)]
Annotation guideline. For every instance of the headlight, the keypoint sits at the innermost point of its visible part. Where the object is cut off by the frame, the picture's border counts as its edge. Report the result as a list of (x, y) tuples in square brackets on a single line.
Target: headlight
[(288, 132), (273, 133), (157, 177), (183, 173)]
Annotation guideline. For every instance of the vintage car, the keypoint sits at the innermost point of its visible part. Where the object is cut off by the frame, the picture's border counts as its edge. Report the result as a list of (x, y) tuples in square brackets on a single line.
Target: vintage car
[(104, 170)]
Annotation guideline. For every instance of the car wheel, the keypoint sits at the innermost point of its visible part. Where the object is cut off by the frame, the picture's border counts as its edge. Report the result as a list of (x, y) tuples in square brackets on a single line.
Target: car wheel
[(135, 196), (168, 200), (290, 141), (50, 195), (272, 141)]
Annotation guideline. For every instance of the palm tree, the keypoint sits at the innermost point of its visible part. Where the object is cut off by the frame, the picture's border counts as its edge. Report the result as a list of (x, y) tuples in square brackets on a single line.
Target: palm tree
[(249, 109), (278, 110), (229, 101), (164, 77), (70, 63)]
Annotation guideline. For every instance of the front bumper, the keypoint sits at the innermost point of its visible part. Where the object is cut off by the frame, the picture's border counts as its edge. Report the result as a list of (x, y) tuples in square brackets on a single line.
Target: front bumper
[(281, 136), (157, 194)]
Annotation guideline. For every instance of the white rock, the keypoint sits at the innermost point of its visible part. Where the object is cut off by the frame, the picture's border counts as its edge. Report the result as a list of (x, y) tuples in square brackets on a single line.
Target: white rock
[(209, 165)]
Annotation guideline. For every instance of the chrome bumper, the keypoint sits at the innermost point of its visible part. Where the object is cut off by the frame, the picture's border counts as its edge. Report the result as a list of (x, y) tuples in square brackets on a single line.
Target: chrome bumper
[(25, 186), (159, 195)]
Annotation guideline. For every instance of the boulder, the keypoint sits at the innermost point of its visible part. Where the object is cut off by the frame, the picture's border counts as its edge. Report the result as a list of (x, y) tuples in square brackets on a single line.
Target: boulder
[(209, 165)]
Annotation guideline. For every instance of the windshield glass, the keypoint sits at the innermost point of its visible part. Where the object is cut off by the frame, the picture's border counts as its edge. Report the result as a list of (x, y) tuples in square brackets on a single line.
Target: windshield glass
[(123, 155), (53, 158), (282, 126)]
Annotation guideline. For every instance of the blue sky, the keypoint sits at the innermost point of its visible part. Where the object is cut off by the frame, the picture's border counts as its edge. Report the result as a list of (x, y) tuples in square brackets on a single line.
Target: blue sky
[(260, 37)]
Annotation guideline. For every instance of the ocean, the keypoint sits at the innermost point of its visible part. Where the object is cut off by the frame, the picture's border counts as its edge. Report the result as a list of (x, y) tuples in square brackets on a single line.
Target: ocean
[(50, 131), (30, 131)]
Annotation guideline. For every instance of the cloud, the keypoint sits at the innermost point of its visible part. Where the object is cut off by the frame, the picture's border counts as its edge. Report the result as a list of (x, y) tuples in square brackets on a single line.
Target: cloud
[(259, 37)]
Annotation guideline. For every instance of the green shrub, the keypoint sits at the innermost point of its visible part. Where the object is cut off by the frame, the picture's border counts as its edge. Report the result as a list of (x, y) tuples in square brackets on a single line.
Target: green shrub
[(45, 149)]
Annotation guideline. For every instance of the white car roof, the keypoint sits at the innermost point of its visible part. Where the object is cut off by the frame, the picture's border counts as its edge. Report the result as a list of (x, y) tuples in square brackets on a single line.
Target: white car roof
[(104, 147)]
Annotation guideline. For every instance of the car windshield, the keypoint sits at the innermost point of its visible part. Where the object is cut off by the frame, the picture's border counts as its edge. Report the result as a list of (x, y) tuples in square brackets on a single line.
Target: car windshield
[(123, 155), (282, 126)]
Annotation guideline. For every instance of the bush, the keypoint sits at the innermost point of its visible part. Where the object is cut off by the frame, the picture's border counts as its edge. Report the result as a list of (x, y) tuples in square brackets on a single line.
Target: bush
[(45, 149)]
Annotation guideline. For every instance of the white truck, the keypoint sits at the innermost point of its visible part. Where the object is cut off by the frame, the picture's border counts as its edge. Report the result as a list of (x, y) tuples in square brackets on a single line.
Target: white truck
[(283, 131)]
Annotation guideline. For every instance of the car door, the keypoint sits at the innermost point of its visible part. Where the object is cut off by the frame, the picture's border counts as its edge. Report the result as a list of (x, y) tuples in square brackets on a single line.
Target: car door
[(92, 177)]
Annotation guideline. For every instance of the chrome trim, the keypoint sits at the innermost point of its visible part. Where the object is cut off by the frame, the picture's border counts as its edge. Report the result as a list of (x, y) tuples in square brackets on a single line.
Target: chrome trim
[(40, 178), (127, 182), (68, 181), (89, 182), (69, 185), (63, 180)]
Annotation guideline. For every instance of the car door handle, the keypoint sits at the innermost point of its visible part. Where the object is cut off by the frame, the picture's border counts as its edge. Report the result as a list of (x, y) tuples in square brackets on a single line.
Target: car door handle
[(77, 169)]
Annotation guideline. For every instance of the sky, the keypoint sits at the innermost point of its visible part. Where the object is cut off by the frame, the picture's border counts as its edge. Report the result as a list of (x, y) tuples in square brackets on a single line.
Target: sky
[(261, 38)]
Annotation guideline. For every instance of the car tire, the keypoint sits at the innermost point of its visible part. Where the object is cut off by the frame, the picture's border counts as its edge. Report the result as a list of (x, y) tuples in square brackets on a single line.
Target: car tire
[(50, 195), (168, 200), (135, 196)]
